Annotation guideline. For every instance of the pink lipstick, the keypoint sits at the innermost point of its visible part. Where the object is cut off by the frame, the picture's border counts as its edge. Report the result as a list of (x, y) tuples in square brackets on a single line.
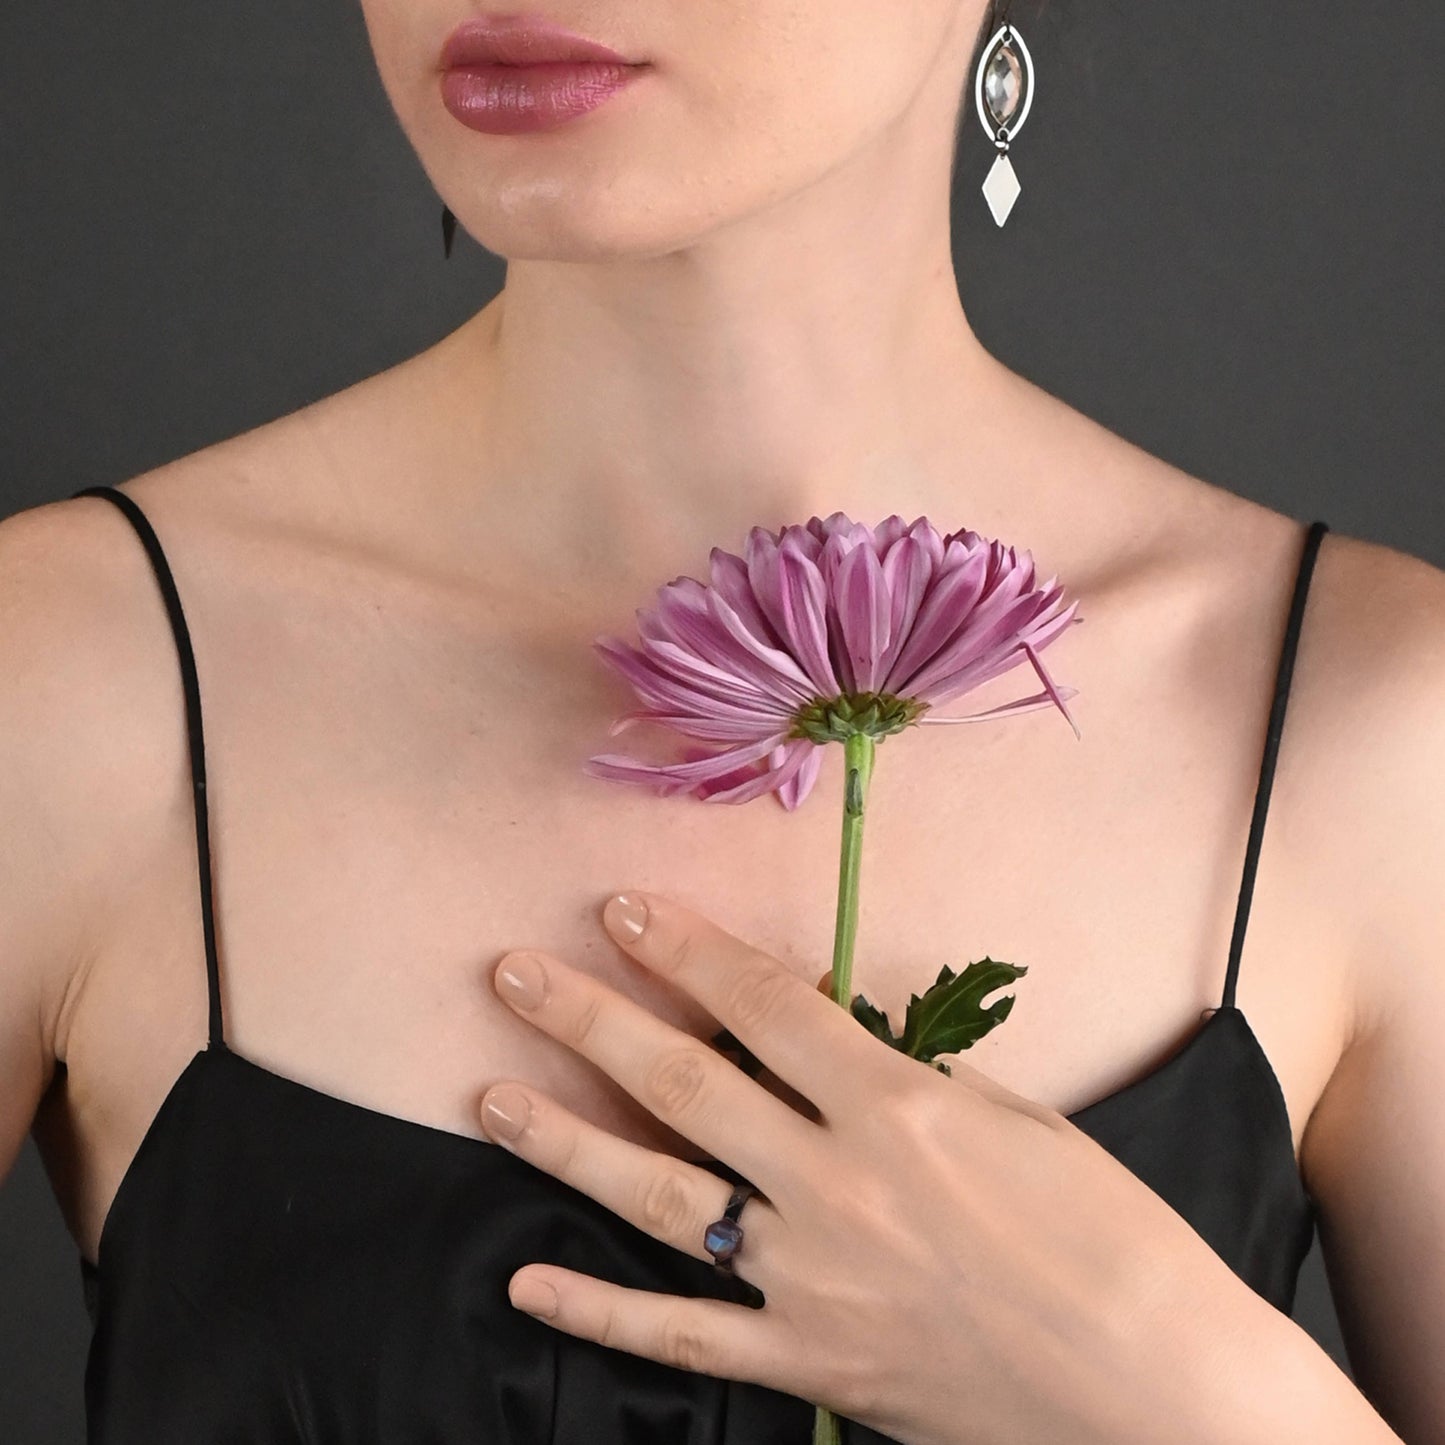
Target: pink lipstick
[(514, 74)]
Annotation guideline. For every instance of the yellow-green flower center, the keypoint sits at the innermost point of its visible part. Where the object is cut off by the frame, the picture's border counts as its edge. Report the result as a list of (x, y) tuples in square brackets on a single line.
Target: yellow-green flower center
[(835, 719)]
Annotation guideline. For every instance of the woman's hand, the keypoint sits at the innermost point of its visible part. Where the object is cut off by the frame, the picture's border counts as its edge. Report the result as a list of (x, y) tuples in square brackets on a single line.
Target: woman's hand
[(942, 1259)]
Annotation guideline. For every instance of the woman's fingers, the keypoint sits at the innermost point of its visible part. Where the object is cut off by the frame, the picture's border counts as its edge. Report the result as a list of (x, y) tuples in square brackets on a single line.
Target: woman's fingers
[(809, 1042), (714, 1337), (685, 1083), (671, 1199)]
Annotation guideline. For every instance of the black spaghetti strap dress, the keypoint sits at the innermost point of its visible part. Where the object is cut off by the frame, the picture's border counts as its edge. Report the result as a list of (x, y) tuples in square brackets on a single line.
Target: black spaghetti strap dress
[(283, 1267)]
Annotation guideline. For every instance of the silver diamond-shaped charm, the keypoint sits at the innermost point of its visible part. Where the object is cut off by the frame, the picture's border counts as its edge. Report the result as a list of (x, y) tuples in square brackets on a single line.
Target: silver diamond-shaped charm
[(1002, 188)]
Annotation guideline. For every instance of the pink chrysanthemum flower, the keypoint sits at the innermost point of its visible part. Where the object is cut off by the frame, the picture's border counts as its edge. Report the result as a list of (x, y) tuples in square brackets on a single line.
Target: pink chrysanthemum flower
[(820, 631)]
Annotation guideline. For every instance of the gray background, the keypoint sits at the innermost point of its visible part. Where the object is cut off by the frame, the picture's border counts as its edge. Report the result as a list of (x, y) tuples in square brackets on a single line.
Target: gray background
[(1226, 250)]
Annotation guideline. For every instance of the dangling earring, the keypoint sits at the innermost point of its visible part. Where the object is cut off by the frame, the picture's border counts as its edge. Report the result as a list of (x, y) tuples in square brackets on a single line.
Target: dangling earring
[(449, 229), (1004, 91)]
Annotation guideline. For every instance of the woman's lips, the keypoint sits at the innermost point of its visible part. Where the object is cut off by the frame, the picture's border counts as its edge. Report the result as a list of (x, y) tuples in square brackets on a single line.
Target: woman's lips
[(521, 41), (507, 99), (524, 74)]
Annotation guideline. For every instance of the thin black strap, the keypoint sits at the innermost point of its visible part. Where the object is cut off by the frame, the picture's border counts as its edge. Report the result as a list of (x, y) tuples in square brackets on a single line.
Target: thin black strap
[(192, 688), (1313, 537)]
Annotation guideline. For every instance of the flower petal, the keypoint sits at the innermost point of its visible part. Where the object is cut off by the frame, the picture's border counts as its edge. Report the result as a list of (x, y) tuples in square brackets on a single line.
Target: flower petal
[(776, 670), (973, 667), (998, 634), (803, 539), (887, 532), (907, 573), (1054, 692), (927, 536), (709, 729), (657, 687), (794, 790), (835, 549), (704, 792), (804, 612), (950, 599), (768, 780), (1042, 633), (864, 614), (760, 553), (709, 681), (729, 575), (707, 639), (677, 777), (1024, 704)]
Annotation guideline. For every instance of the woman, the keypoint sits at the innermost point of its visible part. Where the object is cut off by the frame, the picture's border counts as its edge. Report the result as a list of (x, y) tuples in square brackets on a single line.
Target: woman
[(271, 1112)]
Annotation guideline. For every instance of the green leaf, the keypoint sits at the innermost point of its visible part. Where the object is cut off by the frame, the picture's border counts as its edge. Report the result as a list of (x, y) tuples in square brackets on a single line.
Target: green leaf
[(949, 1016), (946, 1019), (874, 1020)]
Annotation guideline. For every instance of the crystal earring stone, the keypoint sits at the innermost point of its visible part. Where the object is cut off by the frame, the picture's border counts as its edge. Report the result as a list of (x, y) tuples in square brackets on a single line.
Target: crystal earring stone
[(1003, 84)]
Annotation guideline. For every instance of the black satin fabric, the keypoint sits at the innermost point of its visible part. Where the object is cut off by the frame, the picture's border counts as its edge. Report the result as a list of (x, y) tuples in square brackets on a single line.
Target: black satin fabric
[(284, 1266)]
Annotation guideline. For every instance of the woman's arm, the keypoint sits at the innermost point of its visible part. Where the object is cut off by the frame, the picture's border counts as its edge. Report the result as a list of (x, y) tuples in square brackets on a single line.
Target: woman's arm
[(1373, 1151), (63, 742), (32, 925), (26, 1051)]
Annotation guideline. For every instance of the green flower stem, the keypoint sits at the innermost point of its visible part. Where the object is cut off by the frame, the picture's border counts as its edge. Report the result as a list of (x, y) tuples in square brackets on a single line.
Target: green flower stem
[(858, 753)]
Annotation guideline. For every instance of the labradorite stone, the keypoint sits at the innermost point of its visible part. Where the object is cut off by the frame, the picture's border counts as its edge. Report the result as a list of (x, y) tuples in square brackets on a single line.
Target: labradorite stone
[(722, 1238)]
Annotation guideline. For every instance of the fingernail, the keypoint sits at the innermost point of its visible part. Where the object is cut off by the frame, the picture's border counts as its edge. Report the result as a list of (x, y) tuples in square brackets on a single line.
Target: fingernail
[(535, 1296), (506, 1112), (521, 980), (626, 916)]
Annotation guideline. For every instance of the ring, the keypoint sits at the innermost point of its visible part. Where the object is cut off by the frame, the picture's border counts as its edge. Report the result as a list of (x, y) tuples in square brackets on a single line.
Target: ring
[(724, 1237)]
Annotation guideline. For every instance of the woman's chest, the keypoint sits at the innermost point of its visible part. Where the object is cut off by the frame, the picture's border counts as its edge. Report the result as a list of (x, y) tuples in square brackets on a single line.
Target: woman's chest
[(381, 838)]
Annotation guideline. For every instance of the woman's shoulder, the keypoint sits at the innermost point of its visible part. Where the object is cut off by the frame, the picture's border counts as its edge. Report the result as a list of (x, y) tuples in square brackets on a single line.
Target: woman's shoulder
[(77, 604), (88, 666), (1360, 786), (1357, 815), (92, 732), (1372, 642), (1370, 678)]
